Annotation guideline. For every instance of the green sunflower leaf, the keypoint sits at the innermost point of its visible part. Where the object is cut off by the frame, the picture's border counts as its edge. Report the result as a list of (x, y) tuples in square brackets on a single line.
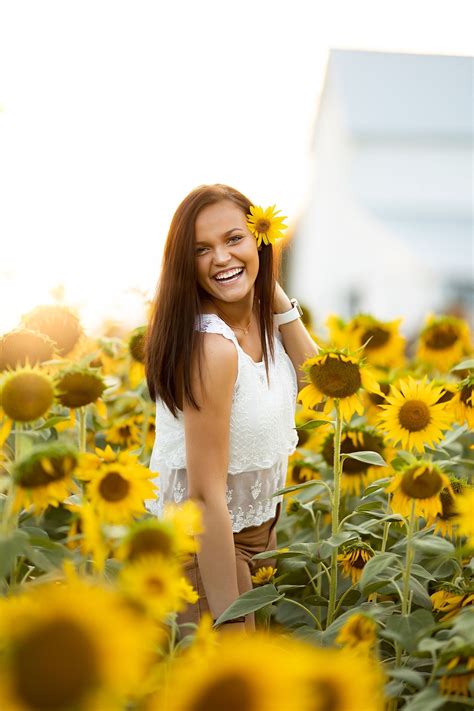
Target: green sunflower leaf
[(251, 601), (312, 424), (374, 567), (372, 458), (465, 365)]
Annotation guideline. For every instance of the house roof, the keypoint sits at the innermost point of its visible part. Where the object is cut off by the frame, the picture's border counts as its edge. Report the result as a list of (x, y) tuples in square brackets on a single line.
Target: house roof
[(404, 95)]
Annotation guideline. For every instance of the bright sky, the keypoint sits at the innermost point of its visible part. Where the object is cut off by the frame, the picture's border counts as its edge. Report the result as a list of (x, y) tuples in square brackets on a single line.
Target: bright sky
[(112, 110)]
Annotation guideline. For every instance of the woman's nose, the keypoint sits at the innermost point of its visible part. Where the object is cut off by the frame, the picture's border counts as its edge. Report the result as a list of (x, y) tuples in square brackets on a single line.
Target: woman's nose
[(221, 255)]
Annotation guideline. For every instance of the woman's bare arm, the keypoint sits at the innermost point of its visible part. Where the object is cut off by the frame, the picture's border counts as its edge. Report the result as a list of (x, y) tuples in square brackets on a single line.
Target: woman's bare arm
[(296, 340), (207, 460)]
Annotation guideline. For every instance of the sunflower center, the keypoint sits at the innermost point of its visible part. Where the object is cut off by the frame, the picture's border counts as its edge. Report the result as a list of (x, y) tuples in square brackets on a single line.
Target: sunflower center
[(358, 562), (125, 431), (79, 389), (231, 692), (303, 437), (263, 225), (448, 505), (38, 476), (336, 378), (27, 396), (446, 396), (414, 415), (466, 395), (19, 346), (137, 346), (441, 337), (155, 586), (379, 399), (54, 666), (325, 696), (378, 338), (352, 466), (61, 326), (114, 487), (150, 541), (427, 484)]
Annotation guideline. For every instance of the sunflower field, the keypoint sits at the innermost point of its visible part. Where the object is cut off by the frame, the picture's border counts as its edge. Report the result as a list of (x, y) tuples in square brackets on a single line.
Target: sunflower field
[(370, 605)]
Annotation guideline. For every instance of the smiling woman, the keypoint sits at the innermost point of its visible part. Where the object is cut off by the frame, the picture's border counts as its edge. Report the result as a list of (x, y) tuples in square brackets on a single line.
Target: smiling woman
[(225, 391)]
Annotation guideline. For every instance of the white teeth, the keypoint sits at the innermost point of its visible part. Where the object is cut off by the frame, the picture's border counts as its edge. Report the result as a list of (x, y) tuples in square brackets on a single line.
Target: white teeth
[(231, 272)]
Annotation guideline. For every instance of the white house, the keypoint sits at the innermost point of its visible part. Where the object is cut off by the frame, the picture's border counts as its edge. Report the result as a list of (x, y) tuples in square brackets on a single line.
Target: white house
[(388, 227)]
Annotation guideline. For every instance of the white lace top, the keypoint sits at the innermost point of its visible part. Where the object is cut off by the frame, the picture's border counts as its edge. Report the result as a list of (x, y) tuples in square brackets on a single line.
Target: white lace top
[(262, 436)]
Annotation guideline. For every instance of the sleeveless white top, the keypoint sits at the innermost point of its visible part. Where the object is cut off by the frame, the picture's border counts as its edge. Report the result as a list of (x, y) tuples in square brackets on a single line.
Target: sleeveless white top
[(262, 436)]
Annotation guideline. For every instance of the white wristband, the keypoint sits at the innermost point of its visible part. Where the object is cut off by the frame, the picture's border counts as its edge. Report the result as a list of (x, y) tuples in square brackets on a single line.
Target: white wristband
[(291, 315)]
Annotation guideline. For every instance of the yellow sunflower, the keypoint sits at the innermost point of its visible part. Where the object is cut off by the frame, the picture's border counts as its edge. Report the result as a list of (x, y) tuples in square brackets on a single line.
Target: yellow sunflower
[(57, 322), (26, 394), (136, 348), (70, 645), (334, 375), (358, 632), (124, 432), (420, 483), (465, 517), (24, 347), (79, 386), (323, 675), (449, 603), (117, 491), (463, 403), (263, 575), (311, 438), (412, 415), (357, 475), (86, 534), (384, 346), (459, 677), (443, 342), (157, 583), (265, 225), (353, 559), (44, 476), (445, 521), (172, 536)]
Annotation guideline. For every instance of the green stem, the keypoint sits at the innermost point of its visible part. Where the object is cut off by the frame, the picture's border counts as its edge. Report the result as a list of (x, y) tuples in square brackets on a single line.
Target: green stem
[(408, 563), (82, 428), (18, 442), (335, 512), (386, 528), (298, 604)]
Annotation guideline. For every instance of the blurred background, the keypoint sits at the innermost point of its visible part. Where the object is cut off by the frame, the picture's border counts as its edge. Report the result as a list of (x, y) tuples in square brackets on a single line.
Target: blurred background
[(355, 119)]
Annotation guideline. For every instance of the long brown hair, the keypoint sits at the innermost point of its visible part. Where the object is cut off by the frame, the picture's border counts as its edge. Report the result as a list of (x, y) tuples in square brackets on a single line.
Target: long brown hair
[(171, 335)]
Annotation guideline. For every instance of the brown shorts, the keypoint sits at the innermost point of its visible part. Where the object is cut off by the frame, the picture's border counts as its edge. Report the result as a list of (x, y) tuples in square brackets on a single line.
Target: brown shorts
[(248, 542)]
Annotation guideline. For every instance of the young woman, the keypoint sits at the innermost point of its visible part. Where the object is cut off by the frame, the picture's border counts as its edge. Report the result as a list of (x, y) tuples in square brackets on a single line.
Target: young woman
[(223, 351)]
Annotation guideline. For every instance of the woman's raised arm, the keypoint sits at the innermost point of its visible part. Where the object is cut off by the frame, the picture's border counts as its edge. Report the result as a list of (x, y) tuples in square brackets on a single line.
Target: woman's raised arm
[(207, 460)]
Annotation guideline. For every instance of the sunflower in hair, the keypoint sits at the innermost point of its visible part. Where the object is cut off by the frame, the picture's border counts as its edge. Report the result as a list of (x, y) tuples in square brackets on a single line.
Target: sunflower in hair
[(337, 375), (265, 225)]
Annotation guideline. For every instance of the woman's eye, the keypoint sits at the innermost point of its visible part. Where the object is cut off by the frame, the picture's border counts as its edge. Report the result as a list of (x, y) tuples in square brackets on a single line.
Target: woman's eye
[(237, 237), (199, 250)]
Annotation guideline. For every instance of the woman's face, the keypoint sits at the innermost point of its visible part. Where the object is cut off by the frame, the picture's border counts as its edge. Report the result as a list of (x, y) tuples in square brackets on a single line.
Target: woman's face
[(223, 242)]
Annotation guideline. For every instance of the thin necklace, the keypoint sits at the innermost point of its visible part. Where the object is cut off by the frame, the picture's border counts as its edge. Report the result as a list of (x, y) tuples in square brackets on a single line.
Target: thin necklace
[(239, 328)]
